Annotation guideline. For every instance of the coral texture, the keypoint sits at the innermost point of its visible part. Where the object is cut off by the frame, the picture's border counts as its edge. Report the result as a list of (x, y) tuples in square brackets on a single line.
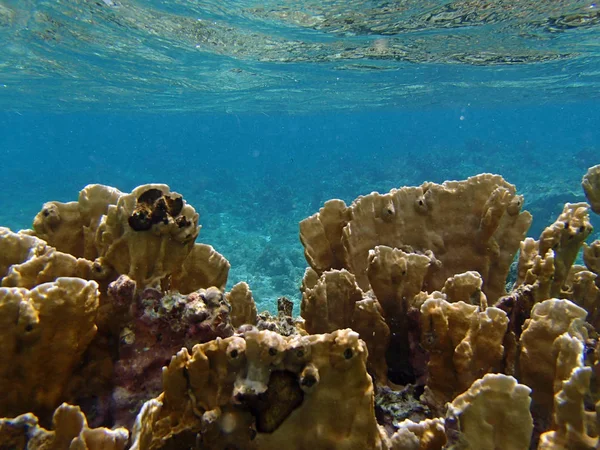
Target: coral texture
[(39, 349), (70, 432), (591, 187), (411, 335), (264, 391)]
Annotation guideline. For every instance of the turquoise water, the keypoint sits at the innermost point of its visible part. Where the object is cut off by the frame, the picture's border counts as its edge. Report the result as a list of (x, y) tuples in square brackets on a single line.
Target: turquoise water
[(258, 112)]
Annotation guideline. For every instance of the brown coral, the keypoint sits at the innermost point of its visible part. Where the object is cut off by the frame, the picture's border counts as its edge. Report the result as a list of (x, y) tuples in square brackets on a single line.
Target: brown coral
[(474, 224), (464, 343), (591, 187), (151, 255), (36, 340), (492, 414), (70, 432), (220, 396)]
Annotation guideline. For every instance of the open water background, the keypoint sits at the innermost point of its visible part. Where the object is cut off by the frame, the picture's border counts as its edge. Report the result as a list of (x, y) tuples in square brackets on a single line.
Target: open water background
[(258, 112)]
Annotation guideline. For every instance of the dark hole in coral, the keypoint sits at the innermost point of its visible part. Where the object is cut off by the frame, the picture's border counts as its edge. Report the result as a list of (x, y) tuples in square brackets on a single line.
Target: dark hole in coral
[(401, 367), (418, 391), (46, 213), (581, 229), (567, 225), (300, 353), (308, 381), (186, 375), (175, 205), (233, 353), (182, 222), (29, 327), (154, 207), (150, 196), (272, 351), (271, 408), (159, 337), (252, 434), (140, 220), (348, 353), (160, 211)]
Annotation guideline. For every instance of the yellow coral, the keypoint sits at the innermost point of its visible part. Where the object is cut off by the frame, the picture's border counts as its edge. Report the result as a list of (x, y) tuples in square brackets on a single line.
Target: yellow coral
[(37, 340), (492, 414), (214, 394), (71, 432)]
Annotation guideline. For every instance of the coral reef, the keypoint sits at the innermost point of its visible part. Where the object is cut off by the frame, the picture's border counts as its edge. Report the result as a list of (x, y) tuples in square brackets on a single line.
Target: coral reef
[(71, 308), (409, 338), (160, 324)]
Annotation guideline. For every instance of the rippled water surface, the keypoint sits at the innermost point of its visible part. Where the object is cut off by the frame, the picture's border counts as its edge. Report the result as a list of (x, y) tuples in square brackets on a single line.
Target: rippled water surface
[(294, 56)]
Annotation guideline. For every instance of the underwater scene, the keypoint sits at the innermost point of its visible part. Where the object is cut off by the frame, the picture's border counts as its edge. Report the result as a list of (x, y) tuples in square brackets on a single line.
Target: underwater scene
[(300, 224)]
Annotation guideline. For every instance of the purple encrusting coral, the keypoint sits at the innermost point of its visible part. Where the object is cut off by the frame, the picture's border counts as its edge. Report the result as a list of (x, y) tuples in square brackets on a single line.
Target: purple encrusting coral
[(160, 325)]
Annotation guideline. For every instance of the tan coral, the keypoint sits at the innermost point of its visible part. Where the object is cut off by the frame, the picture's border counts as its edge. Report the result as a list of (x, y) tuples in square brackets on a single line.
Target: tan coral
[(584, 291), (565, 238), (535, 270), (396, 277), (202, 268), (71, 227), (464, 343), (428, 434), (591, 256), (29, 261), (243, 307), (16, 248), (492, 414), (474, 224), (151, 254), (369, 323), (546, 264), (321, 235), (465, 287), (572, 430), (329, 304), (591, 187), (334, 301), (538, 361), (453, 220), (71, 432), (315, 393), (43, 331)]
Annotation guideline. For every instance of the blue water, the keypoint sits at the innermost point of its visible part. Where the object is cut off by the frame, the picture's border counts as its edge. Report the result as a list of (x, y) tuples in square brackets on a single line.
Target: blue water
[(254, 176), (259, 111)]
